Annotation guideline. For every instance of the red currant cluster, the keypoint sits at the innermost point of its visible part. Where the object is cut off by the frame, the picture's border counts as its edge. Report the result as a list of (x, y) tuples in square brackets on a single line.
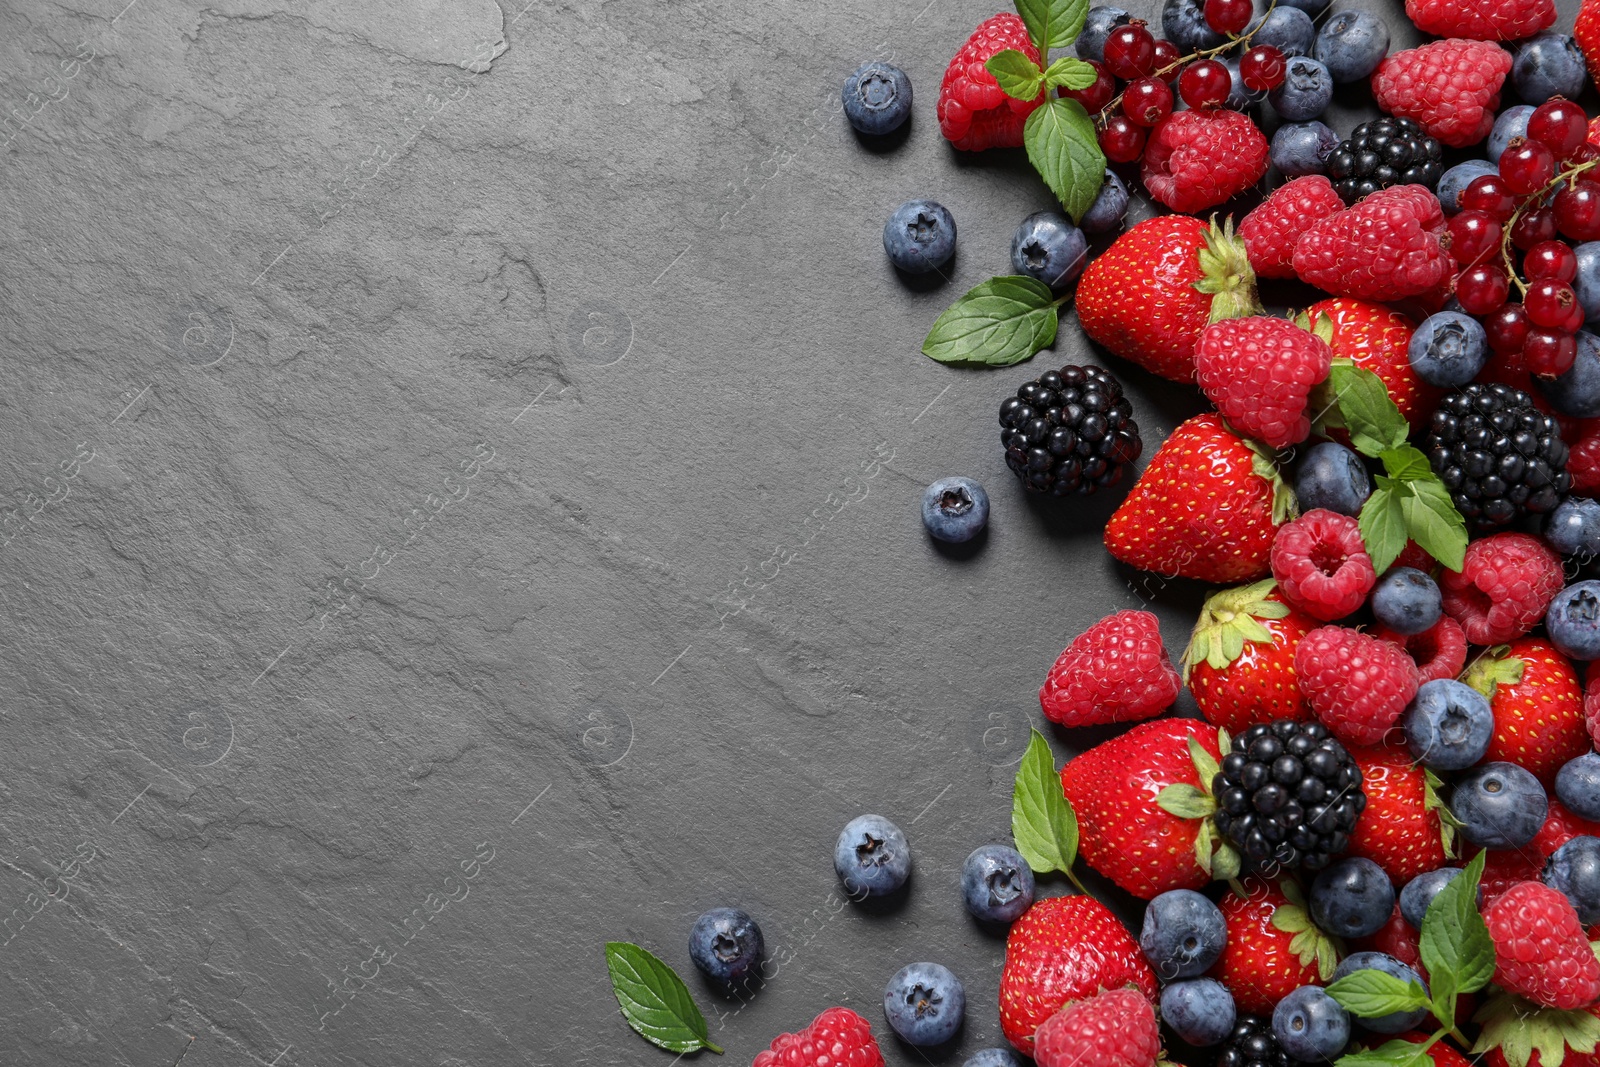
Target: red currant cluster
[(1540, 196), (1147, 68)]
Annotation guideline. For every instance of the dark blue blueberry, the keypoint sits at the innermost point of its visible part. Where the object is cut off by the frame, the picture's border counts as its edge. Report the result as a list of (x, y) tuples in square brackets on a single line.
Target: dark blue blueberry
[(1301, 148), (872, 856), (1240, 96), (1406, 601), (955, 509), (1549, 64), (726, 944), (1288, 29), (1200, 1011), (1306, 91), (877, 98), (1351, 897), (1420, 891), (1183, 22), (1512, 122), (1183, 934), (1576, 393), (1108, 209), (1448, 349), (1578, 786), (1398, 1022), (997, 884), (1332, 477), (1573, 620), (1587, 282), (1448, 725), (1574, 870), (1314, 8), (924, 1003), (1573, 528), (1457, 178), (1499, 805), (1352, 44), (1311, 1026), (920, 236), (1097, 26), (1047, 246), (993, 1057)]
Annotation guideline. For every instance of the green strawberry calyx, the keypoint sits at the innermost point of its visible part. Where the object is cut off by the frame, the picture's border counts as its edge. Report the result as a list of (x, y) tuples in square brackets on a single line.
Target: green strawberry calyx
[(1493, 669), (1448, 823), (1230, 619), (1215, 856), (1309, 943), (1519, 1028), (1226, 275), (1264, 464)]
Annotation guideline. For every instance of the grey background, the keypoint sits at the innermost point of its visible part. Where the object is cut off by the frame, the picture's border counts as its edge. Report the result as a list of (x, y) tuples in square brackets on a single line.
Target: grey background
[(466, 461)]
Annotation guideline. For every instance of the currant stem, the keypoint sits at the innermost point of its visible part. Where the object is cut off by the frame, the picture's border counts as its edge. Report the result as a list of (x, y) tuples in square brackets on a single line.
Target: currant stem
[(1570, 176), (1204, 53)]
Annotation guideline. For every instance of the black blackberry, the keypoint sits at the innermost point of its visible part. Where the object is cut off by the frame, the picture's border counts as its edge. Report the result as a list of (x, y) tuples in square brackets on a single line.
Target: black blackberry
[(1288, 793), (1500, 457), (1069, 431), (1382, 153), (1252, 1045)]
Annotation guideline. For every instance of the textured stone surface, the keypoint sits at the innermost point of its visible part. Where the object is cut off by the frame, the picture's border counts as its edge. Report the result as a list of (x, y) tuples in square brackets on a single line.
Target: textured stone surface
[(467, 462)]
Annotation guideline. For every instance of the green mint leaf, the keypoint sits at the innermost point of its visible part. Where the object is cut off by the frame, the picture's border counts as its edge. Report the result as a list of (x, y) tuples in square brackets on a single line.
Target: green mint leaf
[(1394, 1053), (1455, 945), (1406, 464), (1433, 522), (655, 1001), (1053, 23), (1383, 525), (1018, 75), (1063, 148), (999, 322), (1370, 993), (1375, 424), (1071, 73), (1042, 822)]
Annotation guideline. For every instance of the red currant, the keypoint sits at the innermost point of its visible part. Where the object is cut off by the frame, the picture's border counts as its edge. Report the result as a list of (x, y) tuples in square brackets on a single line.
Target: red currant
[(1120, 139), (1577, 210), (1549, 303), (1527, 166), (1473, 235), (1147, 101), (1533, 227), (1488, 193), (1205, 84), (1481, 289), (1552, 260), (1587, 152), (1228, 16), (1506, 327), (1166, 61), (1559, 125), (1263, 68), (1548, 353), (1130, 51)]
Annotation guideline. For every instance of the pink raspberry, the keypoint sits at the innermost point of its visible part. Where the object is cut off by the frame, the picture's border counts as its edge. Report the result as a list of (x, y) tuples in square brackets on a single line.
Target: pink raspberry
[(1357, 684), (974, 112), (836, 1038), (1321, 564), (1115, 671), (1451, 88), (1271, 230), (1489, 20), (1439, 651), (1259, 371), (1198, 159), (1540, 949), (1506, 582), (1387, 247), (1115, 1028)]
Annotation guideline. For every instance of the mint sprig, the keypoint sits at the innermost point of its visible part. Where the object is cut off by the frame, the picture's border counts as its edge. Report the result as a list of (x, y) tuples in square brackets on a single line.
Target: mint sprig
[(1053, 23), (999, 322), (1043, 823), (1063, 148), (654, 1000)]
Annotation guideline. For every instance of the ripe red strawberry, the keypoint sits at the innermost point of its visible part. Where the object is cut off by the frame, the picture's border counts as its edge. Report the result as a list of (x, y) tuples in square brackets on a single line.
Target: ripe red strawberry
[(1586, 30), (1206, 507), (1259, 372), (1064, 949), (1321, 564), (1451, 88), (1149, 295), (1506, 582), (1540, 949), (1274, 226), (1394, 938), (836, 1038), (1376, 338), (1240, 661), (1356, 684), (1389, 246), (974, 113), (1123, 832), (1507, 1015), (1198, 158), (1116, 1028), (1442, 1053), (1439, 651), (1272, 948), (1505, 868), (1401, 829), (1538, 707), (1115, 671), (1494, 20)]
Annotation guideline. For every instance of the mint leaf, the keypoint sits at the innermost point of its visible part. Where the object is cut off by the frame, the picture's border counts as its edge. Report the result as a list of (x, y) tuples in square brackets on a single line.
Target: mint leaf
[(1396, 1053), (1406, 464), (1071, 73), (1042, 822), (1063, 148), (1053, 23), (1383, 524), (655, 1001), (1369, 994), (1375, 424), (1018, 75), (1433, 521), (999, 322), (1455, 945)]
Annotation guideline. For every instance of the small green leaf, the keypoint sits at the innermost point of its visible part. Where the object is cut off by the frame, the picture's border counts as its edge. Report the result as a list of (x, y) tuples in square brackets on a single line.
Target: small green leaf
[(1063, 148), (1370, 994), (1375, 424), (1226, 863), (999, 322), (1383, 525), (1396, 1053), (1433, 521), (1406, 463), (1018, 75), (655, 1001), (1042, 822), (1186, 801), (1070, 73), (1053, 23), (1455, 945)]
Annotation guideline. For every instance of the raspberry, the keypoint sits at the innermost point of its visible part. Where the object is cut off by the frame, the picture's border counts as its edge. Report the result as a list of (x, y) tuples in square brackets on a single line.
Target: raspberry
[(1439, 651), (1198, 159), (1451, 88), (1387, 247), (1492, 20), (1506, 582), (1270, 231), (1115, 671), (1259, 372), (1116, 1028), (1540, 950), (836, 1038), (974, 113), (1321, 564), (1357, 684)]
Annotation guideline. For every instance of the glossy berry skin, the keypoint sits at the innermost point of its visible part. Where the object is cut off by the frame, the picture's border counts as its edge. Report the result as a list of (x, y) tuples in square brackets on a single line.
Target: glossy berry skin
[(1489, 193), (1256, 684), (1527, 167), (1263, 67), (1288, 29), (919, 236), (1482, 289), (1387, 152), (1449, 725), (1574, 872), (1331, 477), (1573, 529), (1531, 227), (1510, 123), (1130, 51), (1310, 1025), (1576, 392), (1451, 87), (1351, 44), (871, 856), (1305, 92), (1406, 601), (1400, 828), (1183, 22), (1047, 246), (1396, 1022), (1228, 16), (1573, 621), (1495, 475), (1097, 26), (1553, 305), (1540, 948), (925, 1004), (1183, 934), (1577, 210), (1200, 1011), (877, 98), (838, 1037), (1293, 782), (1166, 62), (1551, 261), (1069, 431), (1099, 92), (1351, 898), (1474, 236), (997, 884), (1204, 83), (1147, 101), (1448, 349), (1418, 893), (1273, 228), (1454, 182), (1387, 247), (726, 944), (1121, 139), (1302, 148), (1110, 207), (955, 510), (1548, 65), (1559, 125), (1252, 1044), (1578, 786), (1499, 805), (1548, 353), (1506, 329), (1114, 1028)]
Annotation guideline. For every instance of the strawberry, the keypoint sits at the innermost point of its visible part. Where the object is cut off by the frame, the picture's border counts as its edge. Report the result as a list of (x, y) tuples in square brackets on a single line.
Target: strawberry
[(974, 112), (1149, 295), (1538, 707), (1586, 31), (1389, 246), (1442, 1053), (1401, 829), (1064, 949), (1240, 659), (1259, 372), (1515, 1031), (1376, 338), (1198, 158), (1493, 20), (1207, 507), (1273, 948), (1115, 671), (1395, 938)]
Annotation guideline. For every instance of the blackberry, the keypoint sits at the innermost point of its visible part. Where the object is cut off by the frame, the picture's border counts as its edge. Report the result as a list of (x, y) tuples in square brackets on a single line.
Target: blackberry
[(1382, 153), (1289, 794), (1069, 431), (1498, 455), (1252, 1045)]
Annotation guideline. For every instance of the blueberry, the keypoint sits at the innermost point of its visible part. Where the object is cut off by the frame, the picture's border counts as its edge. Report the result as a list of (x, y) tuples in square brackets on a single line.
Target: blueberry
[(1183, 22), (920, 236), (1573, 528), (1306, 91), (1549, 64), (1108, 209), (1310, 1025), (955, 509), (1351, 897), (1332, 477), (1314, 8), (1406, 601), (1183, 934), (924, 1003), (1448, 725), (726, 944), (1448, 349), (1587, 282), (1578, 786), (1574, 870), (1573, 620), (872, 856), (1352, 44), (1097, 26), (1499, 805), (1398, 1022), (1301, 148), (1453, 181), (1288, 29), (1200, 1011), (877, 98), (1576, 393), (1047, 246), (997, 883), (1240, 96), (1420, 891), (993, 1057), (1512, 122)]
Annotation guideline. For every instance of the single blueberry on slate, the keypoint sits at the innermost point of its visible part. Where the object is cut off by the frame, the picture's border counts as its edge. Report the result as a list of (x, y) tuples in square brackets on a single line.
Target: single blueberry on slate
[(1310, 1025), (925, 1003), (1499, 805), (1420, 891), (997, 883), (1352, 44), (1573, 620), (1448, 725), (1398, 1022), (1183, 934), (1453, 181), (871, 856), (1301, 148), (877, 98), (1334, 478), (1097, 26), (1201, 1011), (955, 510), (1351, 897), (1578, 786), (1109, 207), (920, 236), (1574, 870), (726, 944), (993, 1057), (1306, 92), (1512, 122), (1548, 64), (1047, 246)]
